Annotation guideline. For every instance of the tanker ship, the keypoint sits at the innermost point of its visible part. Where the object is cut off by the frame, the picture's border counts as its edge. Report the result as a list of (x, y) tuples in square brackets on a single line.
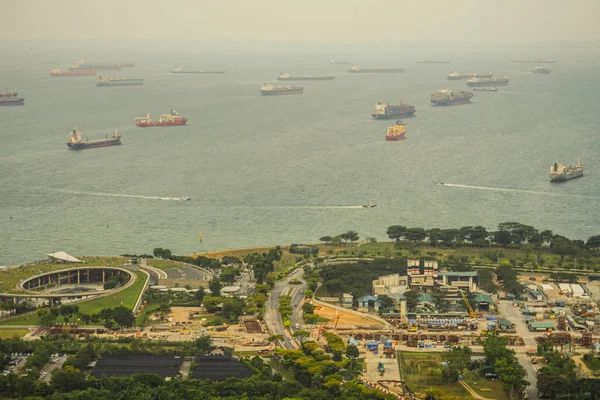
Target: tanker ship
[(478, 82), (171, 119), (118, 81), (357, 70), (72, 72), (395, 132), (541, 70), (387, 111), (81, 64), (287, 77), (455, 76), (446, 97), (10, 98), (180, 70), (272, 90), (560, 172), (75, 141)]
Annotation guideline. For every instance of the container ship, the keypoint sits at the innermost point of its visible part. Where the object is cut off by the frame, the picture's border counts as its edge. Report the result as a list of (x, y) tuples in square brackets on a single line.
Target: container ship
[(357, 70), (455, 76), (11, 98), (387, 111), (478, 82), (75, 141), (541, 70), (180, 70), (272, 90), (339, 62), (549, 60), (74, 72), (118, 81), (287, 77), (560, 172), (395, 132), (432, 62), (446, 97), (172, 119)]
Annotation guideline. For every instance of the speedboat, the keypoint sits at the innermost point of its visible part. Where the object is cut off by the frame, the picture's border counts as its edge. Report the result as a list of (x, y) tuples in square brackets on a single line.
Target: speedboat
[(369, 205), (439, 183)]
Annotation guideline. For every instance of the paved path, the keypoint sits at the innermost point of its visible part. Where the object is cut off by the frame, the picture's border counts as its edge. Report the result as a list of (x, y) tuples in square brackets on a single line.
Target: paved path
[(472, 392)]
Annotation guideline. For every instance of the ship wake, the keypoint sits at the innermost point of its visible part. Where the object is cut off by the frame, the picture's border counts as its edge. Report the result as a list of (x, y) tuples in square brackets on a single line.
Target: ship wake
[(512, 190), (114, 195)]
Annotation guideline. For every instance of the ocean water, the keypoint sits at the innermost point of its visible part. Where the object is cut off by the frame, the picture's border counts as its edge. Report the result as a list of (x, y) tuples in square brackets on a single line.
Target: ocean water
[(288, 169)]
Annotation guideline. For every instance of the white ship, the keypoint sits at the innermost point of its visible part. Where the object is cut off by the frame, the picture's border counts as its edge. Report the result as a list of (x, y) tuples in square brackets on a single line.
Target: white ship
[(560, 172)]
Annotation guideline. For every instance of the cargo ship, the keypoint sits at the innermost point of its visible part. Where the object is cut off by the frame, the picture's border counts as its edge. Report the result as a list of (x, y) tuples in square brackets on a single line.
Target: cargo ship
[(541, 70), (272, 90), (446, 97), (180, 70), (81, 64), (395, 132), (75, 141), (287, 77), (357, 70), (118, 81), (560, 172), (74, 72), (171, 119), (486, 89), (455, 76), (387, 111), (432, 62), (11, 98), (339, 62), (549, 60), (478, 82)]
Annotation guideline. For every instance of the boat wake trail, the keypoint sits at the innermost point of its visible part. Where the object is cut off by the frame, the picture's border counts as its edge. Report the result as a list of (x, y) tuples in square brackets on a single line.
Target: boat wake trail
[(114, 195), (509, 190)]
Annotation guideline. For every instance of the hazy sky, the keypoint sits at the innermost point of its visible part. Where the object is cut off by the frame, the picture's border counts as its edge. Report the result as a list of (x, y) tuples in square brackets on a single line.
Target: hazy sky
[(304, 20)]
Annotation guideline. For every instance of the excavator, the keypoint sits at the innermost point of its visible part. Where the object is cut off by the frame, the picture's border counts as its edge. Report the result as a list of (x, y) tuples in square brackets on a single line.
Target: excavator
[(324, 327)]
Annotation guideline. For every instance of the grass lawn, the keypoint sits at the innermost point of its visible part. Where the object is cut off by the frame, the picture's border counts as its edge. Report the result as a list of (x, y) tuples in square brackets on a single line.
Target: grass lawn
[(10, 277), (287, 259), (163, 264), (126, 297), (12, 333), (423, 371)]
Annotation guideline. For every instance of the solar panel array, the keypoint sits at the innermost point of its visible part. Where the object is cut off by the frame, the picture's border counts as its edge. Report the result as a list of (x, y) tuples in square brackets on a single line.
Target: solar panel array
[(219, 368), (120, 365)]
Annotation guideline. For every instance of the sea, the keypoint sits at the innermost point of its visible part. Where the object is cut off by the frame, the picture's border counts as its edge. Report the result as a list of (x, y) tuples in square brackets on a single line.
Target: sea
[(288, 169)]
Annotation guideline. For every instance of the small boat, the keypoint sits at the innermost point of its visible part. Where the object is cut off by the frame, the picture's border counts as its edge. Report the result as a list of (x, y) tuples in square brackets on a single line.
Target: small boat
[(439, 183), (184, 198), (369, 205)]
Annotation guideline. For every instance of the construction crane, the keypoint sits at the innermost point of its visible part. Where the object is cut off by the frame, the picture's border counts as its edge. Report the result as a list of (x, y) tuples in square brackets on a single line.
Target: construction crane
[(324, 327), (472, 312)]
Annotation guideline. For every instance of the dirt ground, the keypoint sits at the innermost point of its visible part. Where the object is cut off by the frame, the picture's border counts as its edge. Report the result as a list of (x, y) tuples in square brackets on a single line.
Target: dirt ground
[(346, 318), (181, 314)]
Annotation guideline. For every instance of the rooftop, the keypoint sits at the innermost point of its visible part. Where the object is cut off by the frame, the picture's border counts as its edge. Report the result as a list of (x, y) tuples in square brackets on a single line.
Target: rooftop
[(62, 256), (458, 273), (541, 325), (484, 298)]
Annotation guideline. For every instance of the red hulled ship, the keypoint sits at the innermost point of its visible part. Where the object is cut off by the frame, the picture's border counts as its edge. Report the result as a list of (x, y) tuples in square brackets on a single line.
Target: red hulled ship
[(172, 119)]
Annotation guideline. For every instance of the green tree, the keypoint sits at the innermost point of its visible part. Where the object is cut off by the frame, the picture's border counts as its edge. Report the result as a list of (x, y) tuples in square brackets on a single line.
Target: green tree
[(415, 234), (349, 236), (199, 294), (308, 294), (412, 299), (308, 308), (68, 379), (325, 239), (123, 317), (211, 303), (396, 232), (229, 274), (301, 334), (457, 360), (352, 351), (439, 297), (204, 344), (215, 287), (563, 247), (503, 238)]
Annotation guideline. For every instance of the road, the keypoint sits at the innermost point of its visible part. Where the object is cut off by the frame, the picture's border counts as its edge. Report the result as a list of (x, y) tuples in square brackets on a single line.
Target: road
[(272, 316), (512, 313)]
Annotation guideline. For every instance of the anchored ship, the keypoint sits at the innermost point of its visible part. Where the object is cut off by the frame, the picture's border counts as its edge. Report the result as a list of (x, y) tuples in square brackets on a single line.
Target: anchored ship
[(339, 62), (81, 64), (549, 60), (118, 81), (287, 77), (446, 97), (396, 132), (272, 90), (387, 111), (477, 82), (11, 98), (72, 72), (486, 89), (75, 141), (454, 76), (432, 62), (357, 70), (541, 70), (171, 119), (180, 70), (560, 172)]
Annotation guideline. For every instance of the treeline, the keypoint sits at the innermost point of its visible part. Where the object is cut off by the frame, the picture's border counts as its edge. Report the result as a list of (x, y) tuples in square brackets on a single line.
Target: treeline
[(508, 233), (346, 237), (111, 318), (510, 373)]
